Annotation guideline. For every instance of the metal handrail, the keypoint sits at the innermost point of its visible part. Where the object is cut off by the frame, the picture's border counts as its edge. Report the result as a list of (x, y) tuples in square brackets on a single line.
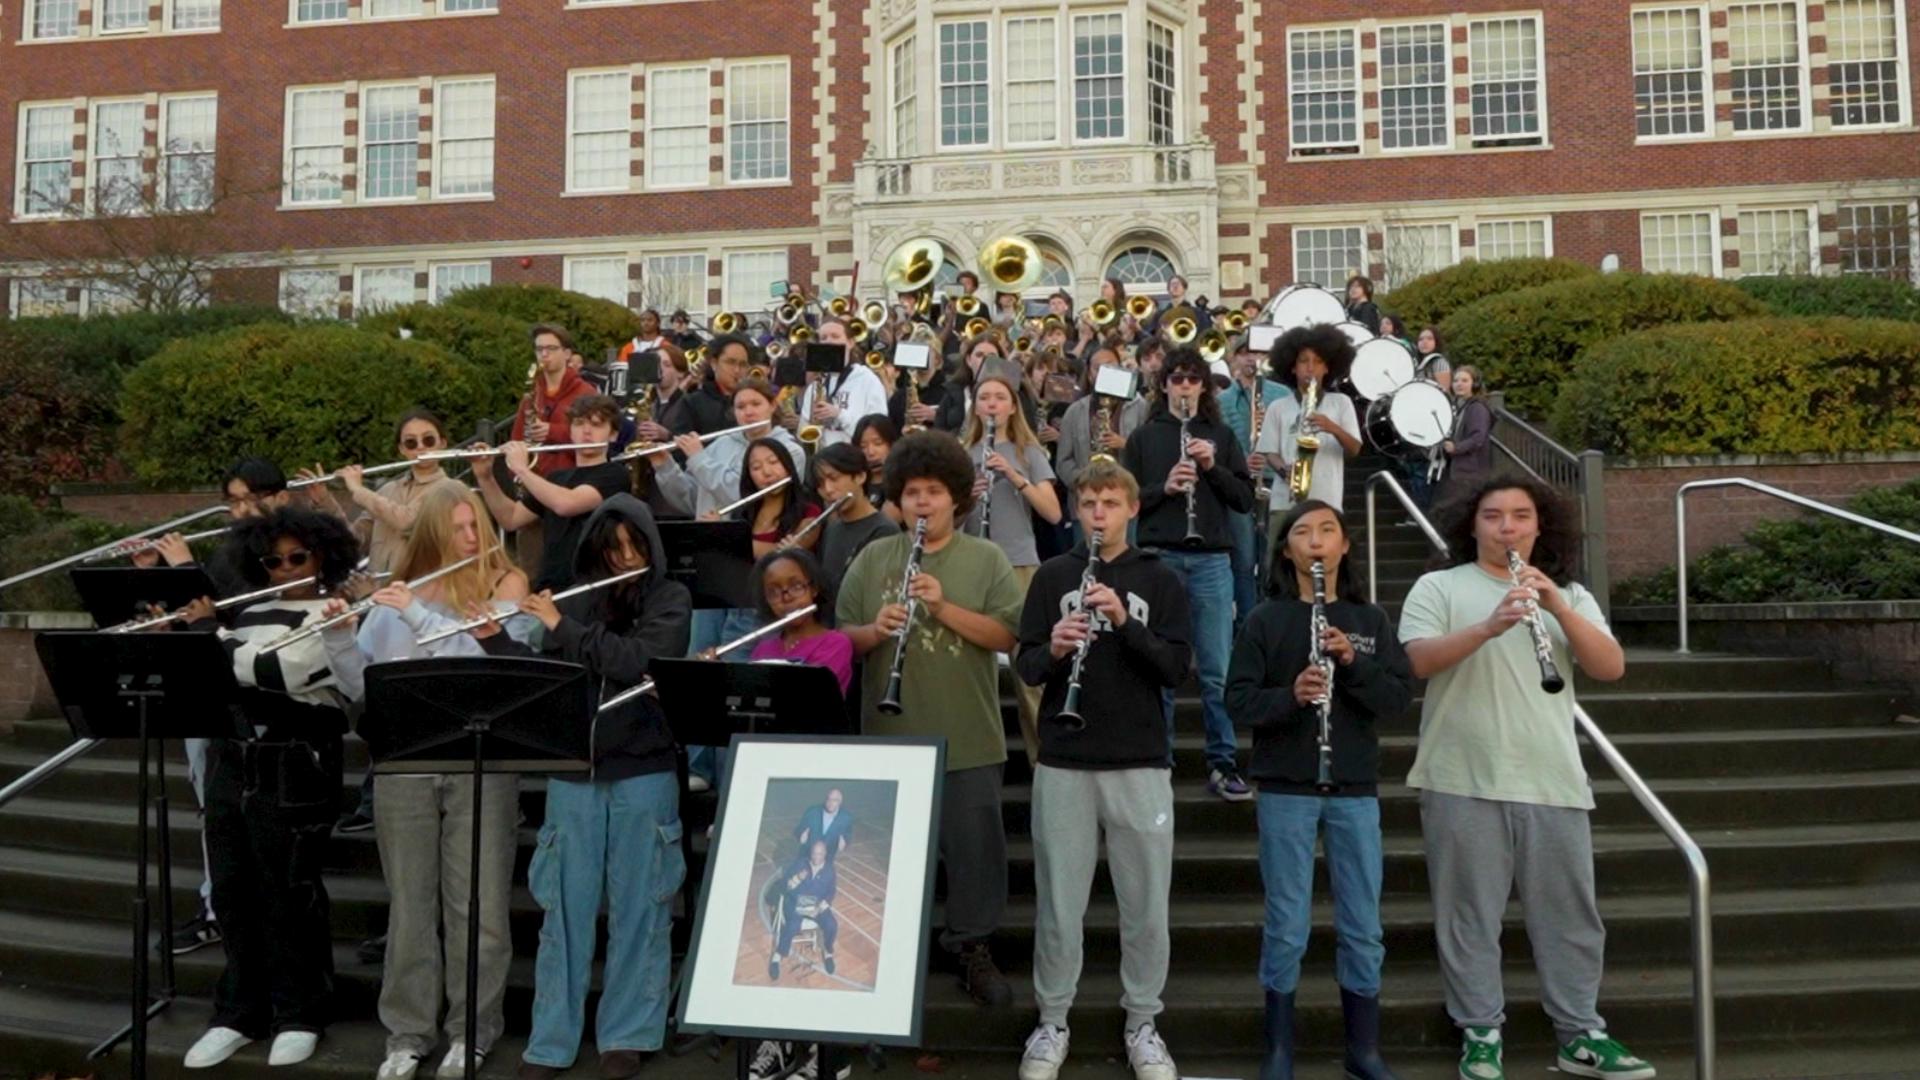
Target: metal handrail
[(46, 769), (1699, 882), (1680, 527)]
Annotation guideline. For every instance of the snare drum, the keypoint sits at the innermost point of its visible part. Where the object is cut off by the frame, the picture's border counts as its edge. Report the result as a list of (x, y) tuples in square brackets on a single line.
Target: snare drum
[(1380, 367), (1421, 414), (1305, 305)]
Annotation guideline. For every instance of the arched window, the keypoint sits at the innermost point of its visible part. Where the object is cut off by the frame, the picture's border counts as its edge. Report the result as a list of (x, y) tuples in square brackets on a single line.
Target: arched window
[(1142, 270), (948, 275)]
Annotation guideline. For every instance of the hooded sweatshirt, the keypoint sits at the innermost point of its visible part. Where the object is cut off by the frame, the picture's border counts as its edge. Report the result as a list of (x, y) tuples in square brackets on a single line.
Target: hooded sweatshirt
[(1272, 651), (615, 633), (1151, 453), (552, 409), (1125, 668)]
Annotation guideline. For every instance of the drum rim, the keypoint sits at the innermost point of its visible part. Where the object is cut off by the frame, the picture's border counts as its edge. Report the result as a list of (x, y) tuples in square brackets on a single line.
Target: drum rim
[(1418, 384), (1353, 371)]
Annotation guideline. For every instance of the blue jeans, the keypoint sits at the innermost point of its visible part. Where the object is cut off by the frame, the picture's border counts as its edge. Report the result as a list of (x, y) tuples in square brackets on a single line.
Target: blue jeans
[(1288, 825), (713, 627), (1208, 579), (1246, 566), (1418, 488), (619, 840)]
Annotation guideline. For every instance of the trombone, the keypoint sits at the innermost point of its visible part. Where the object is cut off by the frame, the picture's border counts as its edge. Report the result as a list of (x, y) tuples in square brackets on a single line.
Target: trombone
[(1181, 326), (1213, 346)]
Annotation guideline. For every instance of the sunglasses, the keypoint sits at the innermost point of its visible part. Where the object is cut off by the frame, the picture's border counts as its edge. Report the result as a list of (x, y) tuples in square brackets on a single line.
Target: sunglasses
[(296, 559), (1183, 377), (427, 442)]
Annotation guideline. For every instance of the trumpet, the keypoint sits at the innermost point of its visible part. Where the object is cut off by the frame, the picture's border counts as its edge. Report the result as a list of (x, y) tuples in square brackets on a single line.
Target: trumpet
[(976, 326), (1306, 443), (1550, 678), (122, 549), (1323, 705), (876, 359), (890, 701), (840, 307), (1235, 321), (858, 330), (144, 534), (1070, 709), (1023, 343), (515, 613), (874, 313), (357, 608), (1181, 326), (646, 685), (1102, 314), (1140, 307), (968, 306), (755, 497), (1213, 346)]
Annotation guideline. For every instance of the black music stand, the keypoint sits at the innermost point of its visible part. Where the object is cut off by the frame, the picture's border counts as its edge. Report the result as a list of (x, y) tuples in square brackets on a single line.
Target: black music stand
[(478, 715), (150, 687), (115, 594), (713, 559)]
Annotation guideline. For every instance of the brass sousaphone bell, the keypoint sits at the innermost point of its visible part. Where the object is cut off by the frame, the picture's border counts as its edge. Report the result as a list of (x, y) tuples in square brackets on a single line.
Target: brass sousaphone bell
[(912, 268), (1140, 307), (1011, 264)]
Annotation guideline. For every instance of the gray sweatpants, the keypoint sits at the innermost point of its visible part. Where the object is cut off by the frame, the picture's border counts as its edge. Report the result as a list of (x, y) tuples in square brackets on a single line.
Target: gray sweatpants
[(1478, 851), (1071, 807)]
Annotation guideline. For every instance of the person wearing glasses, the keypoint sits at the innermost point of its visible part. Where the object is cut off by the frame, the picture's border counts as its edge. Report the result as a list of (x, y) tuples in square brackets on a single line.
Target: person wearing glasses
[(542, 417), (709, 406), (390, 509)]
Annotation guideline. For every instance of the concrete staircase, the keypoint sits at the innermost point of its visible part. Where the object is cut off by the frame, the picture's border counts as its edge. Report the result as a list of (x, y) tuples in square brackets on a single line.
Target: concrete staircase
[(1804, 792)]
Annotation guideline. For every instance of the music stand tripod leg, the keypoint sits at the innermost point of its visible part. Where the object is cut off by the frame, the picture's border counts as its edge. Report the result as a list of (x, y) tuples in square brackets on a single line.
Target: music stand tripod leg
[(479, 731), (143, 1005)]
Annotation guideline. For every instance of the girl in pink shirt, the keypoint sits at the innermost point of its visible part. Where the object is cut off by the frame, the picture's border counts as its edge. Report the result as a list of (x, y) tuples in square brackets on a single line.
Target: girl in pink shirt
[(784, 581)]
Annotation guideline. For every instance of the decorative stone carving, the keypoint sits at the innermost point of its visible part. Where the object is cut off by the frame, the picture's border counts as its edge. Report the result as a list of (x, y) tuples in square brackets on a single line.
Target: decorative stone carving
[(1113, 170), (1233, 186), (894, 9), (1031, 174), (970, 177)]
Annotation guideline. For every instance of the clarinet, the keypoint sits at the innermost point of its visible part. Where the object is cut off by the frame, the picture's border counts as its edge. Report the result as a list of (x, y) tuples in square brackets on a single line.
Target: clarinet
[(1550, 678), (1193, 487), (1070, 710), (890, 701), (986, 500), (1317, 656)]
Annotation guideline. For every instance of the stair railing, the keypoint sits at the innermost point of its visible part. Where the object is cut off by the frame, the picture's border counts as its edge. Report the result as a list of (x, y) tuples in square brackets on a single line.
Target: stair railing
[(1699, 882), (45, 769), (1579, 475), (1680, 528)]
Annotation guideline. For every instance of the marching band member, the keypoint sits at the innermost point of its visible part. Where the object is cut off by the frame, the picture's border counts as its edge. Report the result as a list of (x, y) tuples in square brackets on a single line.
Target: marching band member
[(1236, 405), (560, 500), (419, 819), (1360, 306), (1504, 801), (1430, 358), (966, 605), (649, 339), (708, 406), (271, 798), (785, 581), (1080, 427), (1274, 687), (391, 507), (1111, 773), (874, 438), (543, 416), (1187, 491), (1303, 355), (840, 470), (1469, 449), (780, 513), (711, 477), (839, 401), (976, 353)]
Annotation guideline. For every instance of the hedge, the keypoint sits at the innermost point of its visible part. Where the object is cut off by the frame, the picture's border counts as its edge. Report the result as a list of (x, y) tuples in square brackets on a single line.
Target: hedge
[(494, 341), (1751, 386), (55, 425), (1852, 295), (317, 392), (1525, 342), (595, 324), (1430, 298), (1804, 559), (31, 537), (108, 346)]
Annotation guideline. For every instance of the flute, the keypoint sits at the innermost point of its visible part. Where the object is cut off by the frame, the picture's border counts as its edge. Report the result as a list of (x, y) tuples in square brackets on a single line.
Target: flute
[(661, 448), (137, 545), (1550, 679), (1317, 656), (756, 496), (370, 470), (1070, 709), (221, 605), (807, 527), (357, 608), (70, 560), (514, 613), (645, 685), (890, 701), (495, 451)]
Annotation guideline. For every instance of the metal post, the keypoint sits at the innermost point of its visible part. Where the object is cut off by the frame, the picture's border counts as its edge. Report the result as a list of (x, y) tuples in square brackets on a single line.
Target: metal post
[(1593, 498), (1680, 559)]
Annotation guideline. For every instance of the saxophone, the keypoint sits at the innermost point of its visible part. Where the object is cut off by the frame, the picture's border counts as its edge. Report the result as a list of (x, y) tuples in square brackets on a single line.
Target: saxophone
[(913, 401), (1102, 427), (1306, 441)]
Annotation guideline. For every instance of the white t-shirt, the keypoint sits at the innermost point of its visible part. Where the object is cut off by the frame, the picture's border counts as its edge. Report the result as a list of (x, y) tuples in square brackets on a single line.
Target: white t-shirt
[(857, 392), (1329, 464), (1487, 729)]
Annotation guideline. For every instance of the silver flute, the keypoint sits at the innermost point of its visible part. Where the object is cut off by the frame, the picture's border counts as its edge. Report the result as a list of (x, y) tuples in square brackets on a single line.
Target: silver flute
[(806, 529), (1550, 678), (138, 545), (633, 452), (116, 545), (755, 497), (358, 607), (514, 613), (221, 605), (1317, 656), (646, 685), (1070, 709), (986, 503)]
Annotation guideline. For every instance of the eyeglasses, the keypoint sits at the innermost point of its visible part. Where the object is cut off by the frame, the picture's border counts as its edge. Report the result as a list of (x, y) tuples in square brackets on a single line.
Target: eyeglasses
[(548, 350), (791, 588), (296, 559), (1180, 377), (426, 442)]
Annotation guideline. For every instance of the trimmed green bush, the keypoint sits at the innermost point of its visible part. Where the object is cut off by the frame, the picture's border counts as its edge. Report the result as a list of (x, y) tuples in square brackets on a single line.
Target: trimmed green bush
[(497, 342), (1430, 298), (109, 346), (318, 392), (30, 537), (1525, 342), (1810, 558), (1852, 295), (1751, 386), (55, 425), (595, 324)]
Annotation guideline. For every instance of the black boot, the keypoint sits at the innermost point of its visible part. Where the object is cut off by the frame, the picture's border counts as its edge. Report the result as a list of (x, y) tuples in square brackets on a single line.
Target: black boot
[(1279, 1061), (1362, 1015)]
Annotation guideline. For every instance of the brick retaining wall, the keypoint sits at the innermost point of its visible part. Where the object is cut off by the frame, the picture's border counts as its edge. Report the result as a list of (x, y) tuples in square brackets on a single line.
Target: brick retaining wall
[(23, 686), (130, 504)]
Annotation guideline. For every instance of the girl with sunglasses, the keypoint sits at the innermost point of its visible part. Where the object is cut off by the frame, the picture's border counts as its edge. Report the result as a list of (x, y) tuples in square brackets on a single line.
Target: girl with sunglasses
[(390, 509)]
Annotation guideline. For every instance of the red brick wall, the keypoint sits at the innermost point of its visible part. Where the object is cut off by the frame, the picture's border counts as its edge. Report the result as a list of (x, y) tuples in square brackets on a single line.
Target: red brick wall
[(23, 685), (1222, 42), (131, 506)]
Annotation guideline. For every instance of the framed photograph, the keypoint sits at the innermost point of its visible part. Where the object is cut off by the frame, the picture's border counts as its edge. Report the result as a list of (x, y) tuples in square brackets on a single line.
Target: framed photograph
[(814, 915)]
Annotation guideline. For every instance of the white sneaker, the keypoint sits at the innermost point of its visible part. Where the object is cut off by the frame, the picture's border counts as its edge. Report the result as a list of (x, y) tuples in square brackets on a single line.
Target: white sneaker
[(455, 1063), (1147, 1053), (292, 1047), (769, 1060), (698, 783), (1046, 1052), (400, 1065), (216, 1046), (810, 1069)]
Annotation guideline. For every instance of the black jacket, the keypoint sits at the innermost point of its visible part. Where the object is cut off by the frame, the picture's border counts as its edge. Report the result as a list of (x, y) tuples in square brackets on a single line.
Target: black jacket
[(1366, 313), (1125, 669), (1151, 453), (1272, 651), (700, 411), (935, 393), (615, 633)]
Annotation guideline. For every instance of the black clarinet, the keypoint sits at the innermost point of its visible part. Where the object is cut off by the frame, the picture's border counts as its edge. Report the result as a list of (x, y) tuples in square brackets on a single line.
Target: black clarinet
[(1070, 710), (986, 499), (1317, 656), (890, 701), (1550, 678)]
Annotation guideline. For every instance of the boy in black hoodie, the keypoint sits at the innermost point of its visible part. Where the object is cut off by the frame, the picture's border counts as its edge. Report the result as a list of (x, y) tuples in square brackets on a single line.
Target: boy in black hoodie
[(1111, 773), (1273, 687), (618, 834)]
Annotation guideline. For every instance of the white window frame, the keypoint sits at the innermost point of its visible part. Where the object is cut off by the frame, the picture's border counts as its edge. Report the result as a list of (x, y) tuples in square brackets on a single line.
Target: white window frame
[(94, 157), (101, 29), (1446, 142), (1000, 80), (1172, 88), (290, 182), (1704, 68), (1340, 147), (1903, 66), (648, 272), (939, 87), (441, 139), (1480, 226), (624, 77), (437, 291), (360, 285), (285, 291), (1712, 215), (1812, 265), (170, 19), (21, 285), (730, 302), (1542, 135), (30, 11), (1913, 236), (162, 190), (704, 126), (21, 163), (367, 11), (1802, 69), (903, 96), (363, 159), (1072, 78), (573, 263), (1390, 278), (440, 10), (294, 19), (1339, 284), (785, 84)]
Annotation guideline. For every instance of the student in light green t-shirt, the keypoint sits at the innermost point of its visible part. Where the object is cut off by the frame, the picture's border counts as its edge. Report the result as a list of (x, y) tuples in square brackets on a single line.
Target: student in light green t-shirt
[(968, 611), (1503, 797)]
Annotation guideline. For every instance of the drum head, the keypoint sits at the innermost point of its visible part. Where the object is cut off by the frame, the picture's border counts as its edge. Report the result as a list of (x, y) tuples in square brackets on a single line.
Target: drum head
[(1381, 366), (1422, 414), (1305, 305), (1356, 332), (1379, 428)]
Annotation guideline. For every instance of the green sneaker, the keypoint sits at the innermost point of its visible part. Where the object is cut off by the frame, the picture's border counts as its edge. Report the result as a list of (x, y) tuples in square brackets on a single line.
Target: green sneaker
[(1480, 1055), (1593, 1054)]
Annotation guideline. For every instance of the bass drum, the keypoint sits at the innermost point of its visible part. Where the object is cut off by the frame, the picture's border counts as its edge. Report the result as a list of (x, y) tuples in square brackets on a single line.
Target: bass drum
[(1380, 432), (1356, 332), (1380, 367), (1305, 305), (1421, 414)]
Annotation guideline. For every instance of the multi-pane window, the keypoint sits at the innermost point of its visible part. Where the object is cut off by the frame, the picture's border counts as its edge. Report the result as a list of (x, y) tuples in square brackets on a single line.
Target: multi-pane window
[(1863, 62), (1413, 250), (114, 174), (1503, 78), (196, 14), (110, 297), (906, 99), (1032, 68), (1099, 77), (378, 288), (449, 278), (459, 7), (315, 144), (964, 89), (1142, 269), (46, 159), (1162, 79), (1328, 255), (1880, 239), (1670, 72), (1679, 243), (1524, 238), (1776, 241), (601, 276), (757, 121), (463, 133), (750, 278), (310, 293), (305, 11), (391, 9), (38, 298), (677, 108), (121, 15), (186, 152), (598, 106), (1325, 91), (1764, 53), (675, 283), (54, 18), (1414, 87), (389, 142)]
